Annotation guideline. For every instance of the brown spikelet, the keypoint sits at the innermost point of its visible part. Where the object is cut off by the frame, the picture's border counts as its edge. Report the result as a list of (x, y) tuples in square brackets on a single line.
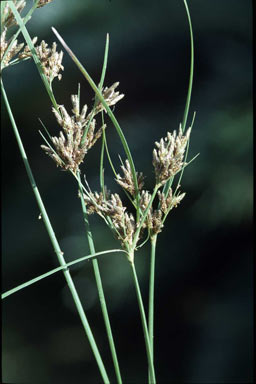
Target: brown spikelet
[(127, 181), (168, 157)]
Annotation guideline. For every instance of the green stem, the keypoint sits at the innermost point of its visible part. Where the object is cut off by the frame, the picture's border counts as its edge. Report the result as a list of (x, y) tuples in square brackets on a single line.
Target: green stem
[(144, 325), (191, 74), (190, 84), (99, 286), (55, 270), (151, 291), (151, 295), (55, 243)]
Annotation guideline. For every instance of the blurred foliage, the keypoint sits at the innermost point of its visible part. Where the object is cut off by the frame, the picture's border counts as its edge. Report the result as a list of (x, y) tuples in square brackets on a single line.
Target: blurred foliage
[(204, 261)]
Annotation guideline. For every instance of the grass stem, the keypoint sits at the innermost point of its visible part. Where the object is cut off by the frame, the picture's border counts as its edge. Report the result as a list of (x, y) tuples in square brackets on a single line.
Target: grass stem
[(152, 379), (151, 294)]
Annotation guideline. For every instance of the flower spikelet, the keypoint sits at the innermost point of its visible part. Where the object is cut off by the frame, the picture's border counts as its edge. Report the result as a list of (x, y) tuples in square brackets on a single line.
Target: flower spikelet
[(50, 59), (168, 157), (71, 146), (127, 181), (14, 50), (41, 3), (111, 97), (170, 201), (8, 18), (96, 202), (153, 220), (111, 206)]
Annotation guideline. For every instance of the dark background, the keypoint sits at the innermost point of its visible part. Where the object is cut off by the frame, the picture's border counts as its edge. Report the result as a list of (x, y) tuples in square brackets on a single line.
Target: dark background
[(203, 302)]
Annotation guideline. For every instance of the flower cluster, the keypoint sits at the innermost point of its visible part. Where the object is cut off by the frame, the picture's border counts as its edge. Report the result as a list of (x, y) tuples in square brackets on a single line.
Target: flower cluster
[(111, 96), (154, 218), (50, 59), (110, 206), (42, 3), (6, 57), (78, 136), (127, 181), (168, 157), (7, 17)]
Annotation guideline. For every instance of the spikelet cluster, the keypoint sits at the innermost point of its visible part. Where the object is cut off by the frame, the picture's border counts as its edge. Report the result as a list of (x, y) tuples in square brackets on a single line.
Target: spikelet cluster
[(110, 206), (154, 218), (168, 157), (78, 135), (127, 181), (7, 17), (12, 52), (42, 3), (50, 59)]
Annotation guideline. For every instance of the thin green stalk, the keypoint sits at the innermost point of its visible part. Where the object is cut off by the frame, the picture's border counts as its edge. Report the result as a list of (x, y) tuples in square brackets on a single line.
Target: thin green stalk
[(99, 286), (190, 84), (191, 73), (103, 73), (144, 325), (151, 295), (55, 270), (55, 243)]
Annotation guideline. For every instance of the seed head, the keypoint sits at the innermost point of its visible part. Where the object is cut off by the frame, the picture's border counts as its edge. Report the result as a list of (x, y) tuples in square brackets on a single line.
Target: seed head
[(13, 51), (111, 97), (8, 18), (127, 181), (41, 3), (71, 146), (170, 201), (111, 206), (168, 157), (153, 220), (50, 59)]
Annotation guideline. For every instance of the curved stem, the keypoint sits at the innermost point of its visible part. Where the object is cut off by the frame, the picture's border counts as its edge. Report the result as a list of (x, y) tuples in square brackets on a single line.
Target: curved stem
[(55, 270), (190, 84), (191, 74), (144, 325), (99, 286), (55, 244)]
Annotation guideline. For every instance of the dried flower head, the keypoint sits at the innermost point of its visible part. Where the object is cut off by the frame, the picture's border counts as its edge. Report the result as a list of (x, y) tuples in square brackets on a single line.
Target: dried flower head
[(127, 181), (154, 217), (13, 51), (168, 202), (41, 3), (71, 146), (111, 97), (50, 59), (168, 157), (7, 17), (78, 137), (111, 206)]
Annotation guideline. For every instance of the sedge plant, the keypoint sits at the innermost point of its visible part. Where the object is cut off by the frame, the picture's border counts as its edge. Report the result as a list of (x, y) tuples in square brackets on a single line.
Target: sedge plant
[(78, 134)]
